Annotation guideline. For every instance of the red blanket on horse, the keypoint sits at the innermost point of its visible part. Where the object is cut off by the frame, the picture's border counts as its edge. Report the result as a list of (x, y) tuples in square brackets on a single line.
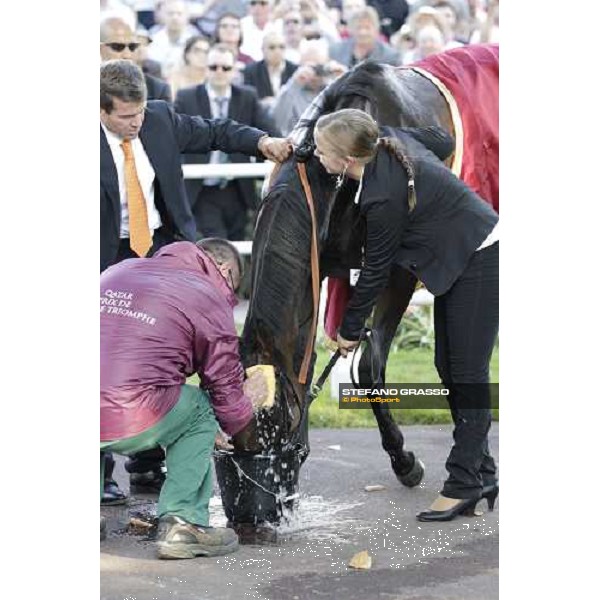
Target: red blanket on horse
[(470, 74)]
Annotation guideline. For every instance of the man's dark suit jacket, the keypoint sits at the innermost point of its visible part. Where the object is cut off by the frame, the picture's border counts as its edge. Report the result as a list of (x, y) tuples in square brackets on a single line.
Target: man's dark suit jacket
[(158, 89), (257, 75), (244, 107), (165, 135)]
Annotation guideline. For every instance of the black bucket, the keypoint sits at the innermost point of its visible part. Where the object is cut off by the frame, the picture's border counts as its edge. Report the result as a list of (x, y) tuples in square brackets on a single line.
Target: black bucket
[(257, 488)]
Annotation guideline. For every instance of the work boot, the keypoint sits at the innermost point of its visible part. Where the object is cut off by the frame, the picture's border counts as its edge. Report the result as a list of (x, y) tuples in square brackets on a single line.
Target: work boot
[(177, 538)]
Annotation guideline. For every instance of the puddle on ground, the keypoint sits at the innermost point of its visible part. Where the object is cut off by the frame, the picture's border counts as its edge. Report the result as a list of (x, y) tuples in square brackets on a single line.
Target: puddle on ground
[(313, 519)]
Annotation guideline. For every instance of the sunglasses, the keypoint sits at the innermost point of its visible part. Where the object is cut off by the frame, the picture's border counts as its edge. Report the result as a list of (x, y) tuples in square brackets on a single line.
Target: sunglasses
[(118, 47), (292, 22), (258, 3), (225, 68), (277, 47)]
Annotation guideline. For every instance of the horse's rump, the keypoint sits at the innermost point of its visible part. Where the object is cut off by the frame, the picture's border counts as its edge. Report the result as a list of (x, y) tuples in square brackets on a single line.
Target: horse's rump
[(470, 73)]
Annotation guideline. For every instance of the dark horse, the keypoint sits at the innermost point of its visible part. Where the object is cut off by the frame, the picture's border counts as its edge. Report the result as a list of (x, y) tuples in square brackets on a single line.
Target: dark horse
[(278, 325)]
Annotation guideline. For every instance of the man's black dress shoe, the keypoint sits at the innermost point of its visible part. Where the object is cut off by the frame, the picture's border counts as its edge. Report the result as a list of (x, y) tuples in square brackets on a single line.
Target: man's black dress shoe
[(112, 495)]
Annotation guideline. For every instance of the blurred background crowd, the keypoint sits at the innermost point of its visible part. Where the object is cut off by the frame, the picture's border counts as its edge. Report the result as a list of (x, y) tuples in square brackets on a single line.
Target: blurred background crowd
[(261, 62)]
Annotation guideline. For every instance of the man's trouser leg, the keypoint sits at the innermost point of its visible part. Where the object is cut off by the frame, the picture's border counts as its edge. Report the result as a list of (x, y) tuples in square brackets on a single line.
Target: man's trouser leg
[(187, 432)]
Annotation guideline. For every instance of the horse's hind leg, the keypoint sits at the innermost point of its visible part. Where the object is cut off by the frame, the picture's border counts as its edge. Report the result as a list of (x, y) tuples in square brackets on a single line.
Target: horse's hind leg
[(388, 311)]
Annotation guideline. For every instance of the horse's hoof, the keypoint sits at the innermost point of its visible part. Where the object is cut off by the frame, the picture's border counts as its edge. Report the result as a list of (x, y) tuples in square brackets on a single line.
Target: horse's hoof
[(415, 475)]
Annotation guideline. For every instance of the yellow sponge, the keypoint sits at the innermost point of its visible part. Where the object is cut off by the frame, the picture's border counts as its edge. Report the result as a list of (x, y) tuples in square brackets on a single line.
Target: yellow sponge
[(260, 385)]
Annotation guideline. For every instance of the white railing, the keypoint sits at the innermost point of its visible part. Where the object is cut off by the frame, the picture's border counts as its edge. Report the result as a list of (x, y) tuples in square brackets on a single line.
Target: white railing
[(233, 170)]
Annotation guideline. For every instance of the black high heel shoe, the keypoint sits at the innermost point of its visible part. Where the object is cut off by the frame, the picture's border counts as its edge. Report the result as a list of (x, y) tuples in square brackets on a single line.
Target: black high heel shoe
[(490, 493), (464, 507)]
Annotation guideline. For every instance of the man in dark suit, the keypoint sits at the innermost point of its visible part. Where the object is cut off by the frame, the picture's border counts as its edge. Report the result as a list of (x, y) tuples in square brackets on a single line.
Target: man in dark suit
[(143, 205), (118, 41), (221, 206), (267, 76)]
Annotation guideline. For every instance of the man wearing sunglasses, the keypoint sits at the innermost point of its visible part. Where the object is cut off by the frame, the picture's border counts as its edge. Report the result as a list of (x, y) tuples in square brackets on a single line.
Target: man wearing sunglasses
[(221, 206), (293, 34), (118, 41), (267, 76), (162, 320)]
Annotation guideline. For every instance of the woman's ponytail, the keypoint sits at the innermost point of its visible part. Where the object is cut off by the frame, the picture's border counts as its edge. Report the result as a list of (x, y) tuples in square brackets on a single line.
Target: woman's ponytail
[(395, 147)]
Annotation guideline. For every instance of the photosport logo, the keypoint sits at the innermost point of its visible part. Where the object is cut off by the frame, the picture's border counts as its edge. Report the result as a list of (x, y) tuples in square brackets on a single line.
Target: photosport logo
[(420, 395)]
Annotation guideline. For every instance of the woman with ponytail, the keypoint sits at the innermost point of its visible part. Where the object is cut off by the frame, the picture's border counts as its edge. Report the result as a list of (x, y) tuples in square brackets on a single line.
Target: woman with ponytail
[(420, 217)]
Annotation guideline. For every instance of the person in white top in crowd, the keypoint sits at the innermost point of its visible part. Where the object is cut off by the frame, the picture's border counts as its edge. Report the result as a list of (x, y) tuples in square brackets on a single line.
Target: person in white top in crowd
[(318, 19), (426, 16), (462, 11), (159, 17), (430, 40), (255, 25), (293, 35), (168, 43), (448, 12), (119, 10), (349, 7), (488, 30)]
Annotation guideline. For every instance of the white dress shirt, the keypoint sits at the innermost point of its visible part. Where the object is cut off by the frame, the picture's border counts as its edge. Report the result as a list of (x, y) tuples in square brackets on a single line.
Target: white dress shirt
[(146, 177), (216, 156), (275, 76)]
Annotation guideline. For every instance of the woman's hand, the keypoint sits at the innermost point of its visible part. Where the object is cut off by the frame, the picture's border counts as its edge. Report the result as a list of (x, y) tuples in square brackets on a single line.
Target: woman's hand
[(345, 345)]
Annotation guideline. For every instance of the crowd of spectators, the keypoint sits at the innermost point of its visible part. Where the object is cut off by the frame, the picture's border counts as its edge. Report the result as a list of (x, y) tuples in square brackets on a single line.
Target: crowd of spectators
[(282, 53)]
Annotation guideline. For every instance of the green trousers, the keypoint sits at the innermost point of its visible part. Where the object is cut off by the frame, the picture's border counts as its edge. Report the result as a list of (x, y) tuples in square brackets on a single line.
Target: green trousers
[(187, 433)]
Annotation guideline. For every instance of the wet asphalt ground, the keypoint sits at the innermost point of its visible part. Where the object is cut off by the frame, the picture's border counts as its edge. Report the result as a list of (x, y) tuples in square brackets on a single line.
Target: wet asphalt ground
[(336, 518)]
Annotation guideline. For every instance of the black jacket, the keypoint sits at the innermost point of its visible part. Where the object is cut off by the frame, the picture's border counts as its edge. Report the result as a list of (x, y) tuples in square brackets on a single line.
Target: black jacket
[(157, 88), (257, 75), (165, 135), (245, 108), (435, 241)]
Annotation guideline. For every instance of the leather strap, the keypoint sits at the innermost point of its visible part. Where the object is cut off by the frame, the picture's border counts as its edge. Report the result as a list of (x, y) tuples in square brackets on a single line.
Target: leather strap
[(314, 266)]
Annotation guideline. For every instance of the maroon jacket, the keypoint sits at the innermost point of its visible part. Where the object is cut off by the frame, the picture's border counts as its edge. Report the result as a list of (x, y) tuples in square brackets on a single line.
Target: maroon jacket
[(161, 320)]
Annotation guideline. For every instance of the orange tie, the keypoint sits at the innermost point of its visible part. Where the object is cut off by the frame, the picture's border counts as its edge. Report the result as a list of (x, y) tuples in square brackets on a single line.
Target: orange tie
[(140, 236)]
